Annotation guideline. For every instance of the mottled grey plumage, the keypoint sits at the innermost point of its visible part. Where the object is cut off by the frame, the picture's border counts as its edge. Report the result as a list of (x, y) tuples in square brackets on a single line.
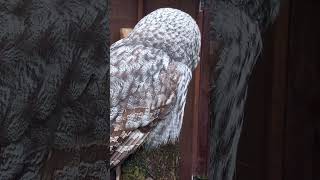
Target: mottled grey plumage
[(150, 73), (236, 25), (53, 88)]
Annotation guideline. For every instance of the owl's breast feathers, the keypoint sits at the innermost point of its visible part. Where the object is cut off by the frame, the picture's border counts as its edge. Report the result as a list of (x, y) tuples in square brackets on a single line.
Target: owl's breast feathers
[(146, 90)]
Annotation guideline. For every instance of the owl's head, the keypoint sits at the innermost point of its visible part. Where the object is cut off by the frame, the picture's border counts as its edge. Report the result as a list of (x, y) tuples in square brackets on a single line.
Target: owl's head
[(172, 31)]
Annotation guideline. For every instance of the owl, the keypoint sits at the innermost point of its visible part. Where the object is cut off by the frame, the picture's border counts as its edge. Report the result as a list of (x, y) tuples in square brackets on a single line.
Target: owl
[(149, 75)]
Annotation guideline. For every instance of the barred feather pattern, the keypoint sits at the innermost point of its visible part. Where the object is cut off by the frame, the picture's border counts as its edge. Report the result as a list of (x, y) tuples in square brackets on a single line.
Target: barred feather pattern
[(53, 84), (236, 26), (149, 77)]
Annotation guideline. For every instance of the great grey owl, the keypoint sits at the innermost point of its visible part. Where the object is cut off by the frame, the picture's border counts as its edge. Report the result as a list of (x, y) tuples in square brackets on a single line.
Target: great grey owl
[(149, 76)]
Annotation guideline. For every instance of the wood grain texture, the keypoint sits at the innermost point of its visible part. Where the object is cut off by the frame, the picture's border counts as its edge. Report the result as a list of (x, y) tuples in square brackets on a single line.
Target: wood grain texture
[(124, 14), (303, 93)]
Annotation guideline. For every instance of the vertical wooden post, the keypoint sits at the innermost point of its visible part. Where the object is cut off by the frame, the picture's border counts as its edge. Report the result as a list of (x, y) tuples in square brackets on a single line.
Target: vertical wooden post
[(201, 101), (276, 116), (124, 32), (140, 10), (303, 92)]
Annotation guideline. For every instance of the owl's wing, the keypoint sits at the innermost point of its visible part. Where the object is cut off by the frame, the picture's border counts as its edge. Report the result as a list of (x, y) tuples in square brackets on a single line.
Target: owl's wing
[(125, 140), (142, 101)]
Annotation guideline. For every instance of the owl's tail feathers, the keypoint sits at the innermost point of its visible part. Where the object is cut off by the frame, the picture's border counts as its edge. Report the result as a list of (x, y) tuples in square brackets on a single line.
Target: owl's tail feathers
[(129, 146)]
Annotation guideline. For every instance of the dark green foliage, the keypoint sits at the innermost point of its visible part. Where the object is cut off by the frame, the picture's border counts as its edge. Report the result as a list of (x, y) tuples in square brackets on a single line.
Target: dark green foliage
[(200, 178), (159, 164)]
